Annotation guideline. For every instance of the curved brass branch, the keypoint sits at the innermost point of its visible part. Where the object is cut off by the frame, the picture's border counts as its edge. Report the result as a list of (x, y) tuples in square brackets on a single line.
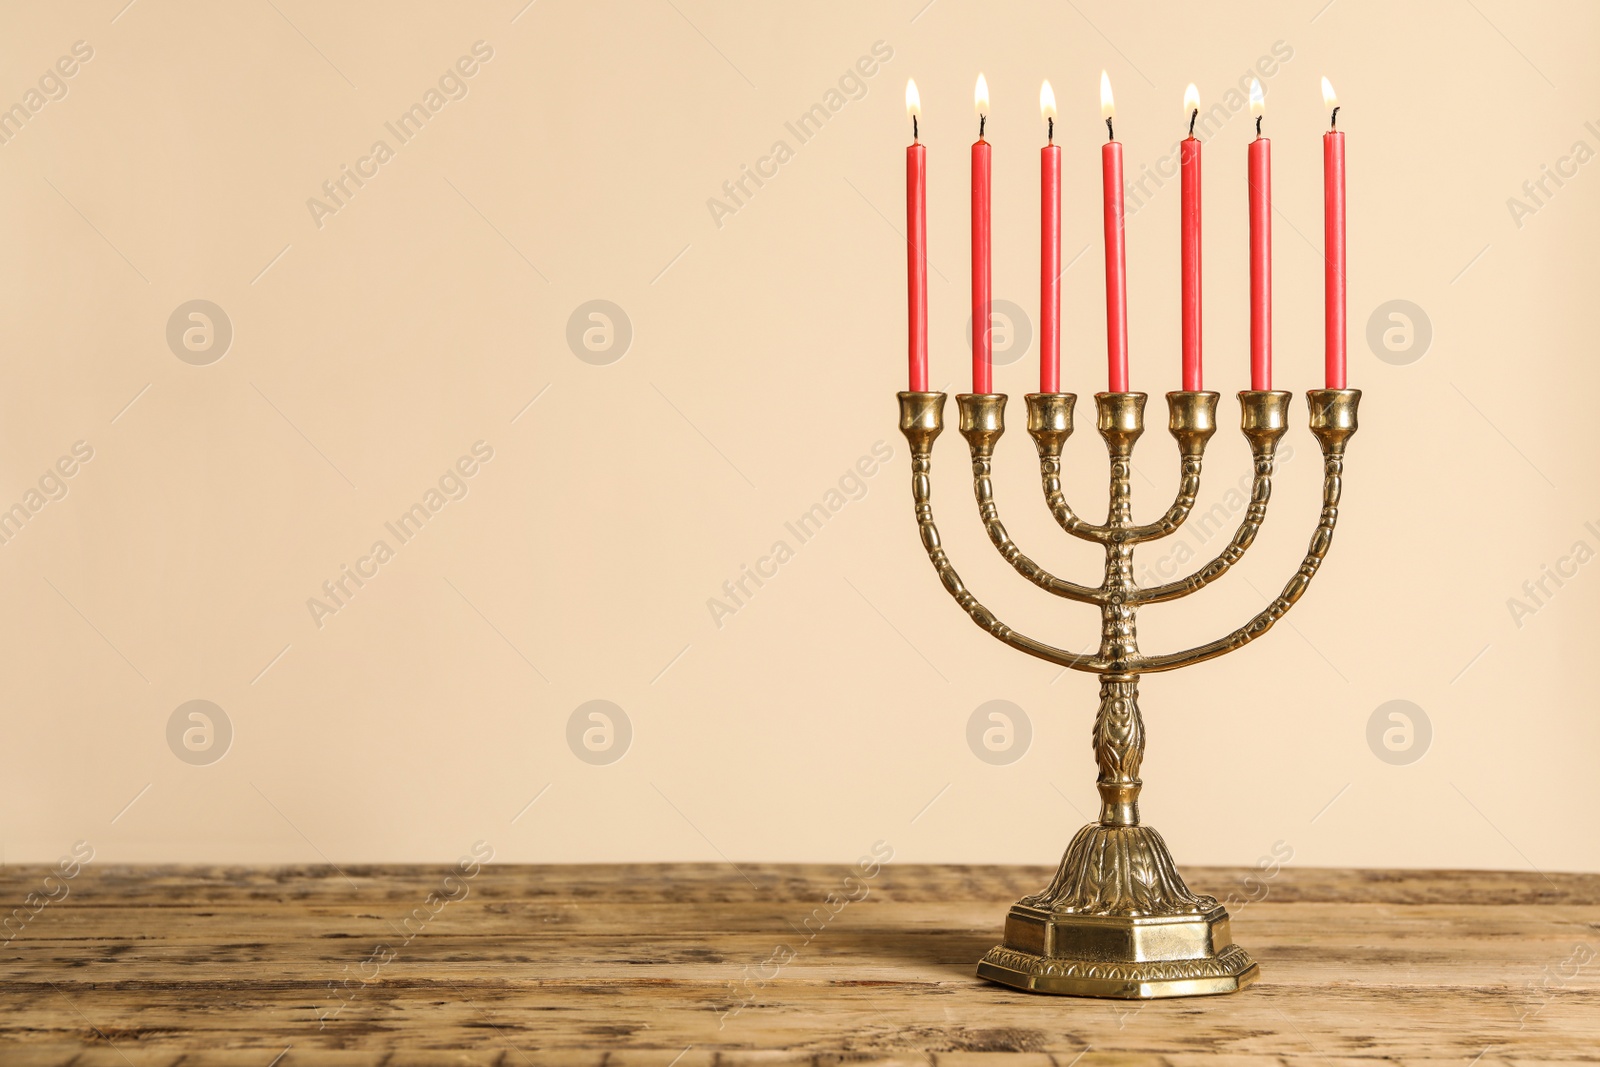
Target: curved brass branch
[(1120, 420), (1188, 489), (921, 420), (1333, 420), (1333, 468), (1050, 476), (1192, 421), (1243, 537), (982, 423), (1050, 424), (1008, 549), (1263, 421)]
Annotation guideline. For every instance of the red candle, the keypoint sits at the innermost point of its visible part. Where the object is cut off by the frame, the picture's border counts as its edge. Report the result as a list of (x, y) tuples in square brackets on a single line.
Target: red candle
[(1189, 166), (1333, 242), (1049, 249), (916, 248), (982, 378), (1259, 169), (1116, 251)]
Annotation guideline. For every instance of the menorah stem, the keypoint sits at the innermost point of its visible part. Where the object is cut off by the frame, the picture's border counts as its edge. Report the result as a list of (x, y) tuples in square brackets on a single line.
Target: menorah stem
[(1119, 749), (1118, 727), (1120, 420)]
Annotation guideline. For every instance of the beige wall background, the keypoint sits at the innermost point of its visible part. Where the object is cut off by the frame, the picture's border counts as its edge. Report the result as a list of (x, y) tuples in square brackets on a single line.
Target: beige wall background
[(350, 357)]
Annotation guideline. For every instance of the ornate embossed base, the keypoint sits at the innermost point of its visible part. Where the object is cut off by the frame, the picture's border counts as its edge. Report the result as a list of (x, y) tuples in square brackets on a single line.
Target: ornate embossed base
[(1118, 921), (1227, 972)]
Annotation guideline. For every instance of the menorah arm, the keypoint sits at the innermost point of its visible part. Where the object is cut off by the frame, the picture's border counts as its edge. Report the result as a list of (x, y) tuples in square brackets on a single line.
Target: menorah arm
[(1192, 420), (1262, 418), (1050, 424), (1120, 420), (921, 420), (1333, 421), (982, 422)]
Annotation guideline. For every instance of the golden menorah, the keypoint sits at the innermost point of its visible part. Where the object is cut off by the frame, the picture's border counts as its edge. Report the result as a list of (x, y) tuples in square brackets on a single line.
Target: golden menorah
[(1118, 920)]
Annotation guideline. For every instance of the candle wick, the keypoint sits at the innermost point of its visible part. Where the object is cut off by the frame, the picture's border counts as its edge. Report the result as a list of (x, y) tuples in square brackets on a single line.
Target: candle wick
[(1258, 125), (1052, 121), (1110, 133), (981, 120), (1192, 116), (1333, 123), (914, 135)]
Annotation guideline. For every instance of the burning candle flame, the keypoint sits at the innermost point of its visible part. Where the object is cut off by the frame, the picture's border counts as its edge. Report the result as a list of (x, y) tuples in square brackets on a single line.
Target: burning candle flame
[(1329, 97), (980, 97), (1258, 99), (1191, 99), (1047, 101), (1107, 107), (913, 99)]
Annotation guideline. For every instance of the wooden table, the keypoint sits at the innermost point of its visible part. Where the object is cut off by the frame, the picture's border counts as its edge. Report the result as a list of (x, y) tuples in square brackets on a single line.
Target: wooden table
[(679, 964)]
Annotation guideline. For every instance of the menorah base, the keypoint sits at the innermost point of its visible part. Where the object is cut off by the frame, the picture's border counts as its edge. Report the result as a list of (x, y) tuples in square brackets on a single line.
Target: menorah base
[(1118, 921), (1127, 958)]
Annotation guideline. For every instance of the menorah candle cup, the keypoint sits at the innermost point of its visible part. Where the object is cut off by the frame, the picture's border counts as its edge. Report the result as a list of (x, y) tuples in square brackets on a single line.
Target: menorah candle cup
[(922, 413), (1264, 418), (1118, 920), (983, 420), (1050, 420), (1333, 416), (1192, 419)]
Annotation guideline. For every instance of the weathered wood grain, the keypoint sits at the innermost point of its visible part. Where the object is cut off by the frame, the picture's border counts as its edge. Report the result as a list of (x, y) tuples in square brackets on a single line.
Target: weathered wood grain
[(647, 964)]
